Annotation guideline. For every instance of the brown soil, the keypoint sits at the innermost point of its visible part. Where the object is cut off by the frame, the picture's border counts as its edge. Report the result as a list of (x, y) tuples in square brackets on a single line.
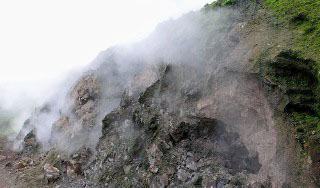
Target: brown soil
[(8, 178)]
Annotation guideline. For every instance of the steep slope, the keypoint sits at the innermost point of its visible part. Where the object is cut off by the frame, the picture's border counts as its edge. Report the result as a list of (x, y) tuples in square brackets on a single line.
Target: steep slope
[(207, 100), (294, 73)]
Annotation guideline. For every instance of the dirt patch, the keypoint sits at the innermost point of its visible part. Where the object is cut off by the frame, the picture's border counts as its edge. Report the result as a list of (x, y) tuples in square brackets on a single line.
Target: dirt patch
[(8, 178)]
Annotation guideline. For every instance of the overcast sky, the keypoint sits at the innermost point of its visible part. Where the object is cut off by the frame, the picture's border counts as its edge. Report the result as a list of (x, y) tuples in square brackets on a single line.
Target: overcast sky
[(41, 40)]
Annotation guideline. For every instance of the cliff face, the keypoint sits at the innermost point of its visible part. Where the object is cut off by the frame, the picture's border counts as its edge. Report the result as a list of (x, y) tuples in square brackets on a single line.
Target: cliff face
[(207, 100)]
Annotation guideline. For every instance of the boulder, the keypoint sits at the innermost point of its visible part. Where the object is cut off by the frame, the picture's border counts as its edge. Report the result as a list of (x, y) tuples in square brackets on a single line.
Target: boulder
[(24, 162), (30, 142), (51, 173), (2, 158), (154, 157), (74, 168), (21, 165)]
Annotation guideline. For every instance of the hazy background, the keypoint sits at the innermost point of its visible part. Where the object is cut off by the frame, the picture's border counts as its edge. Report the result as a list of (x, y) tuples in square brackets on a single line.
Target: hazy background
[(41, 41)]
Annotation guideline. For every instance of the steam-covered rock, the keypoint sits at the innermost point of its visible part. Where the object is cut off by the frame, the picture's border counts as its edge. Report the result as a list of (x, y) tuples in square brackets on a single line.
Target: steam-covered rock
[(85, 95), (181, 108), (30, 143), (158, 148)]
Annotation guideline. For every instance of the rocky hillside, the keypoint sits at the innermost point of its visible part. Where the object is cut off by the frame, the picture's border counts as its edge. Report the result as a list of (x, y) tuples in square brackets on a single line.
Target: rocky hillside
[(223, 97)]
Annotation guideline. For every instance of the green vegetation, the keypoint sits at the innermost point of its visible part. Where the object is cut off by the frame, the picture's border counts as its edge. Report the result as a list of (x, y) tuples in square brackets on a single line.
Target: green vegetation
[(227, 2), (297, 78), (295, 71), (303, 17), (220, 3), (301, 77)]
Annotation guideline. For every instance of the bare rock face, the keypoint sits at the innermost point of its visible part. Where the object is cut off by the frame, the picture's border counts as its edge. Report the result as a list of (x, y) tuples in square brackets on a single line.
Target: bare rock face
[(85, 95), (30, 143), (179, 109), (62, 124), (148, 144), (79, 118)]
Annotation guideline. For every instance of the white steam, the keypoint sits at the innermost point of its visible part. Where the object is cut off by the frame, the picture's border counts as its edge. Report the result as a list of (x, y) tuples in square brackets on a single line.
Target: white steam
[(42, 41), (133, 67)]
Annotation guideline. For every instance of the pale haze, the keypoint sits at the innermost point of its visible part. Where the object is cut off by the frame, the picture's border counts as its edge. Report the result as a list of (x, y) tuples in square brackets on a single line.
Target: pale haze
[(42, 40)]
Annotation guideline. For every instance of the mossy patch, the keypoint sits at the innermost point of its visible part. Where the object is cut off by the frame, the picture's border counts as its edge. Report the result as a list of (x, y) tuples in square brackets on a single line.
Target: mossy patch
[(303, 18), (293, 72), (297, 80), (220, 3)]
